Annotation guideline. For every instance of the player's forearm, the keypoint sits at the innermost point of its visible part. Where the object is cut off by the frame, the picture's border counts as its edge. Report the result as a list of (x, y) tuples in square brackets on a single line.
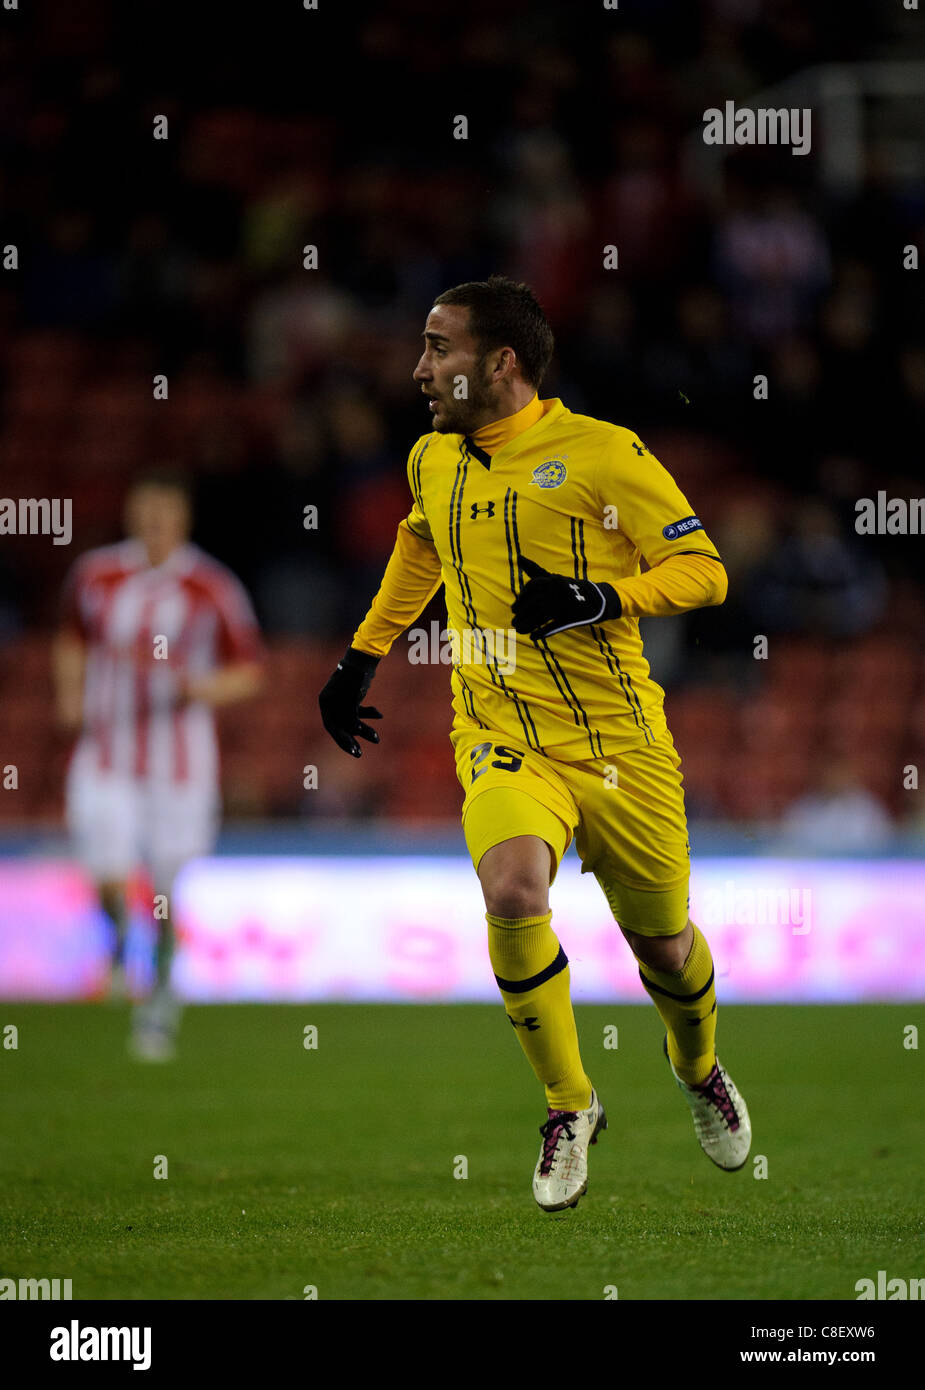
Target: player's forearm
[(411, 579), (227, 685), (677, 585), (68, 663)]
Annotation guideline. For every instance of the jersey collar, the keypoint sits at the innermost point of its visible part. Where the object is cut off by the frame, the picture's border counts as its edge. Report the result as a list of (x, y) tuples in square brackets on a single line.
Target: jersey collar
[(501, 435)]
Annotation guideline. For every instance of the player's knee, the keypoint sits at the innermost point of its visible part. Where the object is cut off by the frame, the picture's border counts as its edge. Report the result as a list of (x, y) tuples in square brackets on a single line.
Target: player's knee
[(515, 877), (666, 953), (516, 896)]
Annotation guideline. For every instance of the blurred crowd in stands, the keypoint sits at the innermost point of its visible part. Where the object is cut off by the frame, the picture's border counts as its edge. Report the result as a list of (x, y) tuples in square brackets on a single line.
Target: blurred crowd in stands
[(291, 387)]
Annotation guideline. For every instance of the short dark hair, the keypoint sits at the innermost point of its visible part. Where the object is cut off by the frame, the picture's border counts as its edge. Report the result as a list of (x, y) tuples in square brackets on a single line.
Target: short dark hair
[(504, 313), (167, 477)]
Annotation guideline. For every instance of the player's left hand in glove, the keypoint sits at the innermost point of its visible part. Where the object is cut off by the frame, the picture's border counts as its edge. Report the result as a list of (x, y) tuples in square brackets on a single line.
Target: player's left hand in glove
[(551, 603), (339, 701)]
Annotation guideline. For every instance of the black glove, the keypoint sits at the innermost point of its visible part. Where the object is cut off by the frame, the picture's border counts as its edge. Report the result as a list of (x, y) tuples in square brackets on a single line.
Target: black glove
[(339, 701), (551, 603)]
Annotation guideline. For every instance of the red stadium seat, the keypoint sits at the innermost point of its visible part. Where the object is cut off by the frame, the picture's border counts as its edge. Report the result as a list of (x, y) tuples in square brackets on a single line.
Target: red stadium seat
[(799, 668), (761, 787), (433, 792), (773, 721), (871, 666)]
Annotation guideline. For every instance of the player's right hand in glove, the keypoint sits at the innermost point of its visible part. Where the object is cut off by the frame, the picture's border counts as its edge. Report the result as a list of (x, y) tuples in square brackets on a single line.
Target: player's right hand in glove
[(339, 701)]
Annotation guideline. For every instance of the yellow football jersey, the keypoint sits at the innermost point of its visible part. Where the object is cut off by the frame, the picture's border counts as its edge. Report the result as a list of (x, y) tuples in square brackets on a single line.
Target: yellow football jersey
[(581, 497)]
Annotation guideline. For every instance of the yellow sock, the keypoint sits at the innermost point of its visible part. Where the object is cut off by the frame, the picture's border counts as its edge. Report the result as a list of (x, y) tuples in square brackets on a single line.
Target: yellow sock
[(532, 972), (686, 1002)]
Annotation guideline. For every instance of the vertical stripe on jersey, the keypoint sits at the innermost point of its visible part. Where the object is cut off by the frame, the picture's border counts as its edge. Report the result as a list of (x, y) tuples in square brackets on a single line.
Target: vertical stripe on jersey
[(468, 700), (523, 710), (107, 684), (180, 720), (553, 665), (607, 651), (144, 658), (416, 472)]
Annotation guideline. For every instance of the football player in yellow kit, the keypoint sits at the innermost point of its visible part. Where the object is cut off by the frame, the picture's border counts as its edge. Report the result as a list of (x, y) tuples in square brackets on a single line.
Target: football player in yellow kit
[(535, 520)]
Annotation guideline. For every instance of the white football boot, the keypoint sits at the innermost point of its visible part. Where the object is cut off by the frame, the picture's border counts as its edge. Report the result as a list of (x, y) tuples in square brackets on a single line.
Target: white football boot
[(155, 1024), (561, 1174), (720, 1114)]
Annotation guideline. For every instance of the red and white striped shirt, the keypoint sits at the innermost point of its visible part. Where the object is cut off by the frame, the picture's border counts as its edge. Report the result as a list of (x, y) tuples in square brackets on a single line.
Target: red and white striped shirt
[(145, 627)]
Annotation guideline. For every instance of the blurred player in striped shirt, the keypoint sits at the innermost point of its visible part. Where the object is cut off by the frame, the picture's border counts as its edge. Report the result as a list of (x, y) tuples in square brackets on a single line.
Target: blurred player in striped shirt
[(155, 635)]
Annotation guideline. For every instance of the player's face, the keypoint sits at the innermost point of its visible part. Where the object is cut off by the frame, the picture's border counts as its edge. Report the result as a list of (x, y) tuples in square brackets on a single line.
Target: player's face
[(159, 518), (450, 353)]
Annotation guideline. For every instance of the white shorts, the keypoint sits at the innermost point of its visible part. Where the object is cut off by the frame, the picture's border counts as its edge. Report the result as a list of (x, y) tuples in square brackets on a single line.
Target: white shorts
[(119, 823)]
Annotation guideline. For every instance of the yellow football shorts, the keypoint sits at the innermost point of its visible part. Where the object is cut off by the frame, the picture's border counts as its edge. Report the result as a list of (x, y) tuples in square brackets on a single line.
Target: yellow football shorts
[(625, 812)]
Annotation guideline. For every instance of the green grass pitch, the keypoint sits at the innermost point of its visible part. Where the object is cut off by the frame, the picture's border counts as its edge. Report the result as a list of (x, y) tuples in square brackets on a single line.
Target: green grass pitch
[(334, 1167)]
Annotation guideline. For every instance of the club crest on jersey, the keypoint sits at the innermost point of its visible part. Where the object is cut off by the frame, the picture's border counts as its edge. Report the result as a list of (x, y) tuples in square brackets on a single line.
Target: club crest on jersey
[(552, 473), (681, 528)]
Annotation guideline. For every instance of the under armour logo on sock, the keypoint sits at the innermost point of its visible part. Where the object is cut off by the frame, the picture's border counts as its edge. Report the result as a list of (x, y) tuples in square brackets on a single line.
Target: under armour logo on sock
[(530, 1024), (692, 1022)]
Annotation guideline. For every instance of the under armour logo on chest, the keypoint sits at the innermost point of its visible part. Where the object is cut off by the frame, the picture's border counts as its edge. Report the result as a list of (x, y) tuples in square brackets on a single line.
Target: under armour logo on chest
[(489, 510)]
